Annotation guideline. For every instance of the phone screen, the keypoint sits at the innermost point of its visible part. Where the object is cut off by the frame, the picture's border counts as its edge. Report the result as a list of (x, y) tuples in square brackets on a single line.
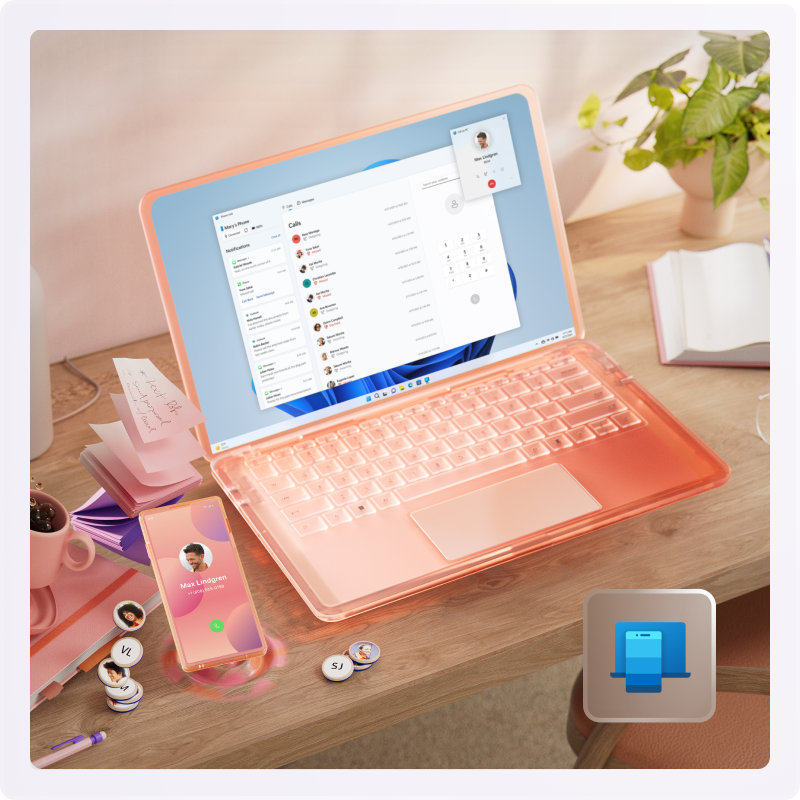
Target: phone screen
[(202, 584), (643, 661)]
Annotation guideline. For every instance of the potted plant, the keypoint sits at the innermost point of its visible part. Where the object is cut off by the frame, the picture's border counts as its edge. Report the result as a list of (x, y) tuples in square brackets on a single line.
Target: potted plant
[(706, 133)]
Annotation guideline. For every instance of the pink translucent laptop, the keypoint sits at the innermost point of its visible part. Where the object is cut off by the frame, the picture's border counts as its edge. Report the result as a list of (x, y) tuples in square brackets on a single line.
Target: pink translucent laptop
[(383, 333)]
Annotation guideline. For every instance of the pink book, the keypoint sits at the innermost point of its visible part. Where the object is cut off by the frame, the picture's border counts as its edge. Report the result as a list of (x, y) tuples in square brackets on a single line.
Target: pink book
[(84, 623)]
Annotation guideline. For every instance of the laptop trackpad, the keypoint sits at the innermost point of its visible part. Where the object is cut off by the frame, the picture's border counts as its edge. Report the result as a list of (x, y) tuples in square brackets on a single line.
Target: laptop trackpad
[(495, 515)]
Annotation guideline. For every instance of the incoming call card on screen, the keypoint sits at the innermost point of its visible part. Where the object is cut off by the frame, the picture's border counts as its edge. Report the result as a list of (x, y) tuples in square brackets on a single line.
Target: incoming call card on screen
[(202, 583), (485, 156)]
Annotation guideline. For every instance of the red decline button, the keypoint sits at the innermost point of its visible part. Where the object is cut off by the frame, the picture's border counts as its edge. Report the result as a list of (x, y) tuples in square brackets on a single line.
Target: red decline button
[(296, 238), (492, 184)]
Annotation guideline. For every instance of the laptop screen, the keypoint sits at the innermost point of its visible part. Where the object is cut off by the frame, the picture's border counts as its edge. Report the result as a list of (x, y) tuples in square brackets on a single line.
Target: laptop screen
[(345, 275)]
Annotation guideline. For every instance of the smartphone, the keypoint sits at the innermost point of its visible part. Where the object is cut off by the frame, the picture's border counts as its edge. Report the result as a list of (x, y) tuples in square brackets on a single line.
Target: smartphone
[(203, 587), (643, 661)]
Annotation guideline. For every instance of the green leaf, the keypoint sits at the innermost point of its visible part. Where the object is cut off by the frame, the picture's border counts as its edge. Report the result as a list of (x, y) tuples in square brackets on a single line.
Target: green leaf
[(764, 203), (736, 129), (737, 56), (659, 96), (671, 147), (589, 111), (718, 36), (708, 112), (672, 80), (641, 81), (669, 140), (595, 148), (744, 95), (729, 167), (676, 59), (637, 159), (618, 122), (717, 77)]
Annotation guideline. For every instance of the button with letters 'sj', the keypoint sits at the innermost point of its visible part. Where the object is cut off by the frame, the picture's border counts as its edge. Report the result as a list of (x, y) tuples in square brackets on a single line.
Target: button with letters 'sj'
[(337, 668), (127, 652)]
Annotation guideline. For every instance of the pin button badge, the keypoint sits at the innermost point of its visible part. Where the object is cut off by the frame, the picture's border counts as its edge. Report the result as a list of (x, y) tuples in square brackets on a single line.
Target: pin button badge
[(129, 615), (124, 690), (364, 653), (137, 696), (127, 652), (337, 668), (120, 708), (112, 674)]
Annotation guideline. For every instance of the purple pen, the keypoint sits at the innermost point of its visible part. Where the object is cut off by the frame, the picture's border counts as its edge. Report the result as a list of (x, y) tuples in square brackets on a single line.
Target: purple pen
[(67, 748)]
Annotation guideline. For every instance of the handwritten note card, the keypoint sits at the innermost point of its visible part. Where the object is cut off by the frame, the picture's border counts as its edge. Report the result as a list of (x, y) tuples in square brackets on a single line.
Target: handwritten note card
[(159, 408)]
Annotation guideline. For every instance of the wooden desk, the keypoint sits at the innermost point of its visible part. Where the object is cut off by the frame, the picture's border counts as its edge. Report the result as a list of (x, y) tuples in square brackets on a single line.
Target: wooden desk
[(476, 632)]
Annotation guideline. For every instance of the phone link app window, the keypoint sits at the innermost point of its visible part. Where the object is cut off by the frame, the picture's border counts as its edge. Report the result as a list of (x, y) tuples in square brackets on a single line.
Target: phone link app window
[(345, 279), (485, 157), (201, 578)]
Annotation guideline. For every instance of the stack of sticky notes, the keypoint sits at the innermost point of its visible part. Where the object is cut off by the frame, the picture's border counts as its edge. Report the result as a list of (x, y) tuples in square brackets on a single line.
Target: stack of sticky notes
[(111, 527), (143, 460)]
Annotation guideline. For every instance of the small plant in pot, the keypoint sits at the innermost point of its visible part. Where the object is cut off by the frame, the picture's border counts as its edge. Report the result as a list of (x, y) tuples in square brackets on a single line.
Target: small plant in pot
[(707, 133)]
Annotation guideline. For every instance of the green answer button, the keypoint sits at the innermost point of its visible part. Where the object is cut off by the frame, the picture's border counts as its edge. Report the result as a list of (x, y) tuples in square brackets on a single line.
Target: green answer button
[(216, 625)]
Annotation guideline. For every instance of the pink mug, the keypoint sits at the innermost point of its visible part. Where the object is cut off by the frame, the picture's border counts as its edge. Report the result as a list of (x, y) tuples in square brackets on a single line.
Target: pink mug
[(49, 550)]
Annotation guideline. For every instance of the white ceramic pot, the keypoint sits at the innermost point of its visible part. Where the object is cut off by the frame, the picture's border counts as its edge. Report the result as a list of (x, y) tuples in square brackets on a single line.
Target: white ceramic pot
[(698, 215)]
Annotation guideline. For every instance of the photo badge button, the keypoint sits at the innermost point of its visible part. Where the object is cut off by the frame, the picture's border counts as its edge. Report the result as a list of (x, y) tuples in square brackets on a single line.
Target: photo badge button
[(337, 668), (112, 674), (127, 652), (364, 654), (129, 615)]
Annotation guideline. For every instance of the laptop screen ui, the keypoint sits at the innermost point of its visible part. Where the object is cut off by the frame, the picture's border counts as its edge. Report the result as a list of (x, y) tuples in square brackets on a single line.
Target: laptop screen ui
[(364, 269)]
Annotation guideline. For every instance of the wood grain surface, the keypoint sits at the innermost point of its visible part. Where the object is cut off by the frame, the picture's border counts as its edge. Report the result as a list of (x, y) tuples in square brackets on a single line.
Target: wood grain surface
[(467, 635)]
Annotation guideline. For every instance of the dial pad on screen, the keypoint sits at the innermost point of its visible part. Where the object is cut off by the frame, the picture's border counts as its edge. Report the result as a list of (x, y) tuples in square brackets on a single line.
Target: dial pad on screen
[(465, 258)]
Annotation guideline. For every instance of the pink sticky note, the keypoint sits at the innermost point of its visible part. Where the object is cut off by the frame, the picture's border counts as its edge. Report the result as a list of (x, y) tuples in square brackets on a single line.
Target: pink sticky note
[(116, 437), (154, 456), (159, 408)]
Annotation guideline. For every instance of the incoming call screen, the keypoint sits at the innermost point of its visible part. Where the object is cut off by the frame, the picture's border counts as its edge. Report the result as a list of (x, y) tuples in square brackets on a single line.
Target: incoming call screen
[(203, 583)]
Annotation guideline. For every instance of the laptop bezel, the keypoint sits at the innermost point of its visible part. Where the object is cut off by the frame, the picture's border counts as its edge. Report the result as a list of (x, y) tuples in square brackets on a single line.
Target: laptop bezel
[(145, 211)]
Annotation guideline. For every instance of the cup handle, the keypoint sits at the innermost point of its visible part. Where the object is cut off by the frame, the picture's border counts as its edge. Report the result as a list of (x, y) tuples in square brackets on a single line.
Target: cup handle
[(73, 563)]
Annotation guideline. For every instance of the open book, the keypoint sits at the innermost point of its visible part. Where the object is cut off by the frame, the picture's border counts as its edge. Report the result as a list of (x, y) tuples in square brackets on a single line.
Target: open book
[(712, 307)]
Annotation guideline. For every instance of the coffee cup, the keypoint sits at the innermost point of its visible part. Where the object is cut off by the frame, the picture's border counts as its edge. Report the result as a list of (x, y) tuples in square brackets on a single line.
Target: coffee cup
[(49, 550)]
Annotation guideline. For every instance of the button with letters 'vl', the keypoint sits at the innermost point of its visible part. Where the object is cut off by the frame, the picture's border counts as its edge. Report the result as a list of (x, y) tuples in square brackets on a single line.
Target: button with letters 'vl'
[(127, 652)]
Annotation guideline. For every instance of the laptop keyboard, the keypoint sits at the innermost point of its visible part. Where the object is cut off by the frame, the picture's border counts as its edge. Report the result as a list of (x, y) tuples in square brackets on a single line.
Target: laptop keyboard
[(334, 478)]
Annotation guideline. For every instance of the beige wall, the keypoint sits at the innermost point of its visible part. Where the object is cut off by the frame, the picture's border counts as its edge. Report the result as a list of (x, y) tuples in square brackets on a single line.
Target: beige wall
[(115, 114)]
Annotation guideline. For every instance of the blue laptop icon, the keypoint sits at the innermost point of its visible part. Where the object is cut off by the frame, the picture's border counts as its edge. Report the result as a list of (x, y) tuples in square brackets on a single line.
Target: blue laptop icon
[(646, 652)]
